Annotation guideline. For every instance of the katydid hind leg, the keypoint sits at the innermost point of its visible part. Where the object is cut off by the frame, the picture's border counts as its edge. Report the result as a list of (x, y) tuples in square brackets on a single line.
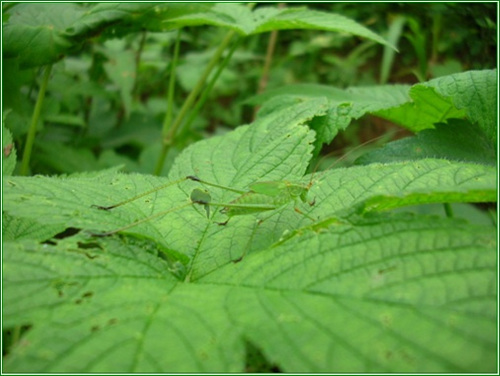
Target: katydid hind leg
[(134, 198), (138, 222), (250, 241)]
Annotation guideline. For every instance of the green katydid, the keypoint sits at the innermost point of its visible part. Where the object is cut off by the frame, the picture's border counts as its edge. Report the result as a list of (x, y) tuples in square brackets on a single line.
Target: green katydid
[(260, 197), (263, 196)]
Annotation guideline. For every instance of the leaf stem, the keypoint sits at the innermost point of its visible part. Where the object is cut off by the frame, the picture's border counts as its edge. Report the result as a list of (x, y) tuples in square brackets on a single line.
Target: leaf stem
[(169, 135), (28, 147)]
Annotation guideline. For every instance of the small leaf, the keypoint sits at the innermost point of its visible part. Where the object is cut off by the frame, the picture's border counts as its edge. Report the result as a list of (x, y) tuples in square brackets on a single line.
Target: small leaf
[(33, 32)]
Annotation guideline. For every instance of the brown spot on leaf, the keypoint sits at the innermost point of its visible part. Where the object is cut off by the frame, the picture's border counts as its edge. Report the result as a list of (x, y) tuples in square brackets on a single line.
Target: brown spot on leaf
[(7, 149)]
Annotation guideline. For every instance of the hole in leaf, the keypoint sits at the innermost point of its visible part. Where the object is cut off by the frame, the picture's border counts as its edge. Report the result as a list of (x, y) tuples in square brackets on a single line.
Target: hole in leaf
[(89, 245), (95, 328), (88, 294), (256, 361), (70, 231), (12, 337)]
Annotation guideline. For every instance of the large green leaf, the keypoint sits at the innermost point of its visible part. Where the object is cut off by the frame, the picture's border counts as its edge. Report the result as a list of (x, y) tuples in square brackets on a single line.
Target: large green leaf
[(343, 105), (264, 19), (347, 288), (374, 297), (33, 32), (40, 34), (475, 92), (468, 95)]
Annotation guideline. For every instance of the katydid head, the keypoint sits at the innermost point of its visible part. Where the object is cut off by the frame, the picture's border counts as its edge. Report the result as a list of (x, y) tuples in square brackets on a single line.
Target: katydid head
[(201, 197)]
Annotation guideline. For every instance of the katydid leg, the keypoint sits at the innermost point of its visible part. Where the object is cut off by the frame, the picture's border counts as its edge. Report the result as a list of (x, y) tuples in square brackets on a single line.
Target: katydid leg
[(146, 219), (156, 189), (250, 241)]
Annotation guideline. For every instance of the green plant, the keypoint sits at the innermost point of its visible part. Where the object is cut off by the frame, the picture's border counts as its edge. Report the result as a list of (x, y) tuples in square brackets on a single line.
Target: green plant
[(36, 35), (368, 286), (387, 265)]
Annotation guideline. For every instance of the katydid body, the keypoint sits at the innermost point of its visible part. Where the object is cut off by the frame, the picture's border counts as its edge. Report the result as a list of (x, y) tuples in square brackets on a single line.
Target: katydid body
[(260, 197), (263, 196)]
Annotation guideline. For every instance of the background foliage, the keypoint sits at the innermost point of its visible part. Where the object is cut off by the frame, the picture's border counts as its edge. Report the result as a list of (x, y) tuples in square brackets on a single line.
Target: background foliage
[(106, 99), (387, 267)]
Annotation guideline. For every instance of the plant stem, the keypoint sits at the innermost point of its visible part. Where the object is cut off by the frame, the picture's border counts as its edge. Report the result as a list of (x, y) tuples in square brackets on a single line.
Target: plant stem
[(171, 86), (264, 79), (211, 84), (169, 135), (138, 54), (28, 147), (273, 38)]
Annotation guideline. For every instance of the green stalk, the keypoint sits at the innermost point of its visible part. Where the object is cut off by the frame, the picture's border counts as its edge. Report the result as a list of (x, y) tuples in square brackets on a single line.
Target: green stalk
[(30, 139), (273, 38), (170, 134), (271, 46), (138, 54), (211, 84), (171, 86)]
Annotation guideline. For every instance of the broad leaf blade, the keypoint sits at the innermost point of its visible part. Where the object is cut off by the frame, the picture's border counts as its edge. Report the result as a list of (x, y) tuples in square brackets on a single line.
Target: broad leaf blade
[(473, 91), (33, 32), (273, 148), (343, 105), (344, 191), (381, 306), (469, 94), (296, 18), (349, 291), (114, 307), (264, 19), (38, 35), (374, 297)]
